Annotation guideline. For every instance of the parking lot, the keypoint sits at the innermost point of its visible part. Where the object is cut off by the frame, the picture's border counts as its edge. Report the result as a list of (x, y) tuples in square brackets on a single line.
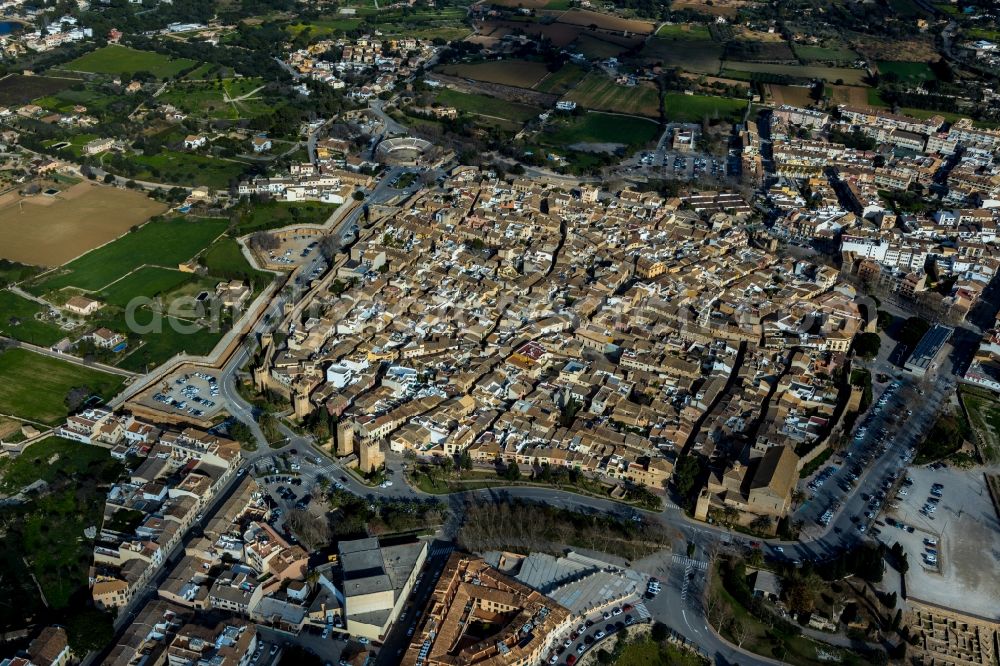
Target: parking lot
[(864, 474), (192, 393), (962, 533), (282, 476), (293, 251), (597, 627)]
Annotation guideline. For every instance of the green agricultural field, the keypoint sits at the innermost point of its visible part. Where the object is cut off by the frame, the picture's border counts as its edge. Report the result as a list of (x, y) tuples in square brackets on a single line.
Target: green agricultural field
[(483, 105), (562, 80), (518, 73), (600, 93), (115, 59), (277, 214), (149, 281), (683, 31), (19, 321), (907, 72), (162, 242), (34, 386), (17, 89), (828, 74), (594, 47), (597, 127), (703, 57), (824, 53), (209, 70), (678, 107), (182, 168), (322, 28)]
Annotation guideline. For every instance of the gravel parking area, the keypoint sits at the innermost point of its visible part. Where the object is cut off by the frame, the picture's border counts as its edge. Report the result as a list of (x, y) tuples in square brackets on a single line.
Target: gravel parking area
[(967, 572)]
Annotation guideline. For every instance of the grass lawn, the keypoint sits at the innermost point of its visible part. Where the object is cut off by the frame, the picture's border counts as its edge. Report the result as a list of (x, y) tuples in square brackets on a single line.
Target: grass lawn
[(18, 321), (153, 349), (149, 281), (44, 537), (207, 99), (12, 272), (988, 34), (34, 386), (801, 651), (646, 652), (164, 243), (907, 72), (116, 59), (225, 260), (48, 460), (183, 168), (679, 107), (487, 106), (984, 414), (277, 214), (594, 127), (600, 93)]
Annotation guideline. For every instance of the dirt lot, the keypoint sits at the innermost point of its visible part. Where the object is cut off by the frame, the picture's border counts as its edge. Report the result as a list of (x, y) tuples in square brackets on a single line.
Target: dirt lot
[(605, 22), (518, 73), (561, 34), (850, 95), (794, 95), (715, 8), (46, 230), (965, 525), (916, 50)]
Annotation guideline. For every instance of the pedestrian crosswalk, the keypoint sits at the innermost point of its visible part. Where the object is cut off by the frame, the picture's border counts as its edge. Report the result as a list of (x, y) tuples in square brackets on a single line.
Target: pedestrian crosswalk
[(700, 565), (441, 550), (642, 612)]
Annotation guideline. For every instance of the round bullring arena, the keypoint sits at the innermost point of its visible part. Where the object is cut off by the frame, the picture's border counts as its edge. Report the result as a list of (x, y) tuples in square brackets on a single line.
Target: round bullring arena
[(403, 151)]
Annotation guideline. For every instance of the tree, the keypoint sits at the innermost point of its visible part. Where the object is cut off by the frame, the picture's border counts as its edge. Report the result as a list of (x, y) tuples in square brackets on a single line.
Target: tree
[(75, 397), (801, 593), (89, 629), (685, 475), (240, 432), (659, 632), (741, 631), (314, 532), (761, 524), (867, 345), (465, 460)]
